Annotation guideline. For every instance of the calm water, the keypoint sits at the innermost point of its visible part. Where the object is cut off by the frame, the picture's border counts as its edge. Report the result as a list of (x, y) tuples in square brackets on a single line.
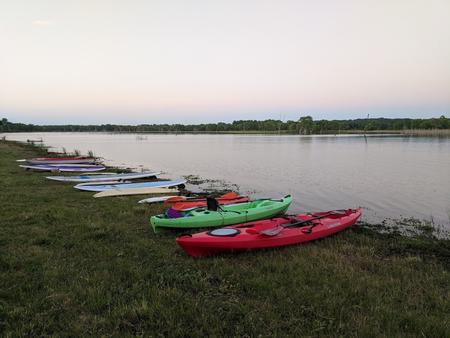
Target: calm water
[(389, 176)]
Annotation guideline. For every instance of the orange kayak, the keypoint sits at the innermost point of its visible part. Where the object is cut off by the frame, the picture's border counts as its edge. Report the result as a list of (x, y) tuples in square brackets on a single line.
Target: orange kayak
[(180, 204)]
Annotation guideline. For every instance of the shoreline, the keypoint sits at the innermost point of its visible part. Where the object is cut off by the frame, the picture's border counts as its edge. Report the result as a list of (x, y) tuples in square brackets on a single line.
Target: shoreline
[(381, 132), (405, 225), (77, 266)]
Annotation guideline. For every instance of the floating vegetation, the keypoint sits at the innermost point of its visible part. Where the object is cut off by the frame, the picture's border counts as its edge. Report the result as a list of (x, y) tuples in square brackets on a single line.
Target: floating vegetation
[(409, 227)]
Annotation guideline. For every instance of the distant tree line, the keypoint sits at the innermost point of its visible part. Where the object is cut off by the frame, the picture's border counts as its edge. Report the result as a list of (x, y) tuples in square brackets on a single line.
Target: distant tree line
[(305, 125)]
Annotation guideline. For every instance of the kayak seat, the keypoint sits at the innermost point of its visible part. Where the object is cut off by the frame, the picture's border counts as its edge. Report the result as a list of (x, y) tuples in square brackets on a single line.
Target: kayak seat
[(171, 213), (212, 203)]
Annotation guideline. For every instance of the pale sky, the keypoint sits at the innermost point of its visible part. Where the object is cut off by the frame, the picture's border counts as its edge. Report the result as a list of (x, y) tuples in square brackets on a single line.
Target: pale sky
[(192, 61)]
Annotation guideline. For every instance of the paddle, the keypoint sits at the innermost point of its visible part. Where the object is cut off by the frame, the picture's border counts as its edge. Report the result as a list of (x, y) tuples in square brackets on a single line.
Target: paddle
[(175, 199), (278, 229)]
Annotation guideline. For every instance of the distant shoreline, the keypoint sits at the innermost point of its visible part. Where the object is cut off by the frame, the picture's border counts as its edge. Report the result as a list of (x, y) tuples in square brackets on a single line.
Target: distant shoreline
[(305, 125), (406, 132)]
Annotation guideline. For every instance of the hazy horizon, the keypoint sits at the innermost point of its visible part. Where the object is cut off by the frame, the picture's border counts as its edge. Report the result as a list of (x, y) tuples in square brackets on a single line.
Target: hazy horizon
[(99, 61), (211, 121)]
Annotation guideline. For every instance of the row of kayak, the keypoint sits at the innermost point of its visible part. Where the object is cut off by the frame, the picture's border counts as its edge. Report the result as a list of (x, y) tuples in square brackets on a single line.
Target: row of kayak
[(104, 184), (238, 223)]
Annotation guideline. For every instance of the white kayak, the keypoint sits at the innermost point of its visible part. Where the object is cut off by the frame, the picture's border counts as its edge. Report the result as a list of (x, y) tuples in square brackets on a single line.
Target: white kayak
[(151, 200), (104, 177), (135, 191), (125, 186)]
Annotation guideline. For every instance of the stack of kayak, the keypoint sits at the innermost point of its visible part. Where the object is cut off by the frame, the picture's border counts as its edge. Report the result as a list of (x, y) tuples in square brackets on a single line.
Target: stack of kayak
[(62, 164)]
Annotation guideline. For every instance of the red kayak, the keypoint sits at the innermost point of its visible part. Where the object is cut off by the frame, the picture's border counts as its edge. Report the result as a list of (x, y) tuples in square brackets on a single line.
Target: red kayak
[(62, 160), (268, 233), (183, 203)]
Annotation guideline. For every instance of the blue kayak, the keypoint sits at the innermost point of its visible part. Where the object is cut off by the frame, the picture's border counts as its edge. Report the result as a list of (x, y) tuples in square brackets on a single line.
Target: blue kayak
[(121, 186)]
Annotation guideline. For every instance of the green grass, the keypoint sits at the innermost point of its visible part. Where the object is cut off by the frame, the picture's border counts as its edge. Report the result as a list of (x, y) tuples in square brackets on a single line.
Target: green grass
[(71, 265)]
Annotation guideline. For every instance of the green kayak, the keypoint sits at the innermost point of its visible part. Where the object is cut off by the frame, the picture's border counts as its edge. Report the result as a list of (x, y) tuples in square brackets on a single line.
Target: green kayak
[(225, 215)]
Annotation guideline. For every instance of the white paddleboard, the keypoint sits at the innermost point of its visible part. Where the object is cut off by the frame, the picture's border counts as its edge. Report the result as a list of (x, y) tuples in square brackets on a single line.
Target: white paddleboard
[(124, 186), (101, 182), (104, 177), (136, 191), (64, 168), (61, 162)]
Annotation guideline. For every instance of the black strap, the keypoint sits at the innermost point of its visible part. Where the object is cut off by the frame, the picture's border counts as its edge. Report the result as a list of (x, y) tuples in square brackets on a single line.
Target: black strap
[(222, 209)]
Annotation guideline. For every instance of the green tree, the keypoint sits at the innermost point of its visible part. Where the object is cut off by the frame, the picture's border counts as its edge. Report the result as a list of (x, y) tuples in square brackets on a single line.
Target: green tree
[(305, 124), (443, 122)]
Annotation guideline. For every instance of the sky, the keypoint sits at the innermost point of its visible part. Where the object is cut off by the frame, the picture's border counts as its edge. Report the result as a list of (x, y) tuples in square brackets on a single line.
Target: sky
[(195, 61)]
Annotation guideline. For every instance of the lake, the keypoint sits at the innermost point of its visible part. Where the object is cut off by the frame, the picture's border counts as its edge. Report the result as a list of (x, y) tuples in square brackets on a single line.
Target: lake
[(389, 176)]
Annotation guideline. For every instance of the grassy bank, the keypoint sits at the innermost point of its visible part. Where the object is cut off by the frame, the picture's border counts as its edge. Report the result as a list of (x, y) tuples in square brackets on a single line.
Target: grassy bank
[(71, 265)]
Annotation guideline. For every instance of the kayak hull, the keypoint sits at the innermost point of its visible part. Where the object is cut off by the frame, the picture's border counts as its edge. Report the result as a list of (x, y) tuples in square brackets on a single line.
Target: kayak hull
[(250, 237), (227, 215)]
